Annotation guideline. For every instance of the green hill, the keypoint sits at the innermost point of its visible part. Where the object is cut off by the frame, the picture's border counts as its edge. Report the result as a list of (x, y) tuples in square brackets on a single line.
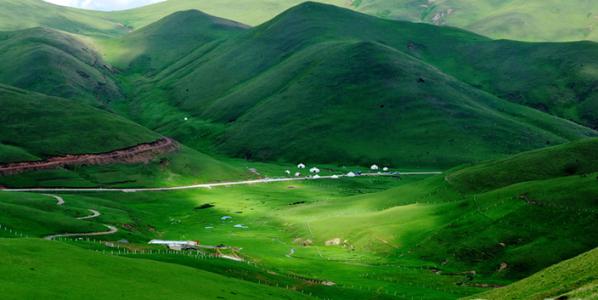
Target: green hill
[(565, 160), (43, 14), (575, 278), (325, 84), (169, 39), (57, 64), (550, 20), (37, 126), (46, 270)]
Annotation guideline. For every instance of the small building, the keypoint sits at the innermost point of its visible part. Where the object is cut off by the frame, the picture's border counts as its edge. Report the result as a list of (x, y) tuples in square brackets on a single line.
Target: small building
[(314, 170), (176, 245), (297, 174), (375, 168), (301, 166), (385, 169), (351, 174)]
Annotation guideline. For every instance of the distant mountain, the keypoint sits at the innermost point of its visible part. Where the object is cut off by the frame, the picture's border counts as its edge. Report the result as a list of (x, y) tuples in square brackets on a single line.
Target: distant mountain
[(54, 63), (326, 84), (547, 20), (535, 20)]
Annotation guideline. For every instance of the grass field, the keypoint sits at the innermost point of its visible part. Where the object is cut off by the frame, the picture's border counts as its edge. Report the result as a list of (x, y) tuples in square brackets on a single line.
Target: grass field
[(386, 237)]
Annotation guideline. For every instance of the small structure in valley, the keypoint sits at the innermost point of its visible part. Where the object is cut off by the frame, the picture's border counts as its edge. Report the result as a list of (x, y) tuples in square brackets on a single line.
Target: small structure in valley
[(375, 168), (176, 245), (301, 166), (351, 174), (314, 170)]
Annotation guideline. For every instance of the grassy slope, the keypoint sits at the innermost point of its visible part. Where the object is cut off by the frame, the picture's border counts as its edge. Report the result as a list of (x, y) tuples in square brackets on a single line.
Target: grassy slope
[(551, 20), (43, 272), (36, 126), (565, 160), (152, 47), (295, 80), (57, 64), (40, 13), (44, 126), (575, 278)]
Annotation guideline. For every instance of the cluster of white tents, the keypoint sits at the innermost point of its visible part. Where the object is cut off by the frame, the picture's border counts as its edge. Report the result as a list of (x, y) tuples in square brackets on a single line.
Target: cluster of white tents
[(315, 171)]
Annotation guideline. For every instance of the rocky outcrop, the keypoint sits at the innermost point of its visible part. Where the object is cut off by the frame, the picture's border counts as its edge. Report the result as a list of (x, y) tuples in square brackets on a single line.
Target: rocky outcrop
[(141, 153)]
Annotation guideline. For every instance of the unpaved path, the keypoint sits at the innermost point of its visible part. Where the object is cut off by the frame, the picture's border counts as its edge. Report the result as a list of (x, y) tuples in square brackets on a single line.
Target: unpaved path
[(94, 214), (210, 185), (111, 230)]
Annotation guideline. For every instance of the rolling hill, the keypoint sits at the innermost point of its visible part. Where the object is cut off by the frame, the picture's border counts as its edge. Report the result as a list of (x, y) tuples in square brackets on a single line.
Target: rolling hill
[(112, 276), (551, 20), (303, 84), (37, 126), (154, 46), (58, 64), (574, 278)]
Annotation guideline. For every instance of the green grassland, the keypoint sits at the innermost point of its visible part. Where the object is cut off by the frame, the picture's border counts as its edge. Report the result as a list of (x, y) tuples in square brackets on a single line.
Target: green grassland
[(111, 277), (399, 237)]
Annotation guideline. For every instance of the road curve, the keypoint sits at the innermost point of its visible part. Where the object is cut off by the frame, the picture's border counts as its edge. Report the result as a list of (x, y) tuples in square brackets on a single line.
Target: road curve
[(111, 230), (59, 200), (211, 185), (94, 214)]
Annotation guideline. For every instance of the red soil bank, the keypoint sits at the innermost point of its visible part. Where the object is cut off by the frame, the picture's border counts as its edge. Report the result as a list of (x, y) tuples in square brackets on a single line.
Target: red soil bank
[(141, 153)]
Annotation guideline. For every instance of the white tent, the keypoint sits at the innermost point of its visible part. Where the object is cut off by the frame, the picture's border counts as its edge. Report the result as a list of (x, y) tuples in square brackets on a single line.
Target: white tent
[(297, 174), (301, 166), (385, 169), (314, 170), (374, 167), (351, 174)]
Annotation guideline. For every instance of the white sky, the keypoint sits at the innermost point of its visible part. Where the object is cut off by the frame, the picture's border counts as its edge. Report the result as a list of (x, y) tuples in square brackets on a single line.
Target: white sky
[(104, 4)]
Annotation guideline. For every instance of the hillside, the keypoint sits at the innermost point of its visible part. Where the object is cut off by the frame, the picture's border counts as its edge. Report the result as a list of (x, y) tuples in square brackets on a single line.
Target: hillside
[(43, 14), (318, 75), (38, 126), (109, 277), (550, 20), (154, 46), (57, 64), (575, 278)]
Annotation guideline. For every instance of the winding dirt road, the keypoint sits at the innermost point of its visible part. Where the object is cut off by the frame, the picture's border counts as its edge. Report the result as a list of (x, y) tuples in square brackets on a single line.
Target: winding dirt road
[(212, 185), (94, 214)]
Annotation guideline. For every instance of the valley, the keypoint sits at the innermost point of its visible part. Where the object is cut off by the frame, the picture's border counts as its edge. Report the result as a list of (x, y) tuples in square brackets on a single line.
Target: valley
[(299, 150)]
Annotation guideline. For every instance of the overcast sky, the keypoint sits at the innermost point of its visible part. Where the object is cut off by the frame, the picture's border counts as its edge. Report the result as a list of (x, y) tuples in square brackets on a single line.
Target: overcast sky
[(104, 4)]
